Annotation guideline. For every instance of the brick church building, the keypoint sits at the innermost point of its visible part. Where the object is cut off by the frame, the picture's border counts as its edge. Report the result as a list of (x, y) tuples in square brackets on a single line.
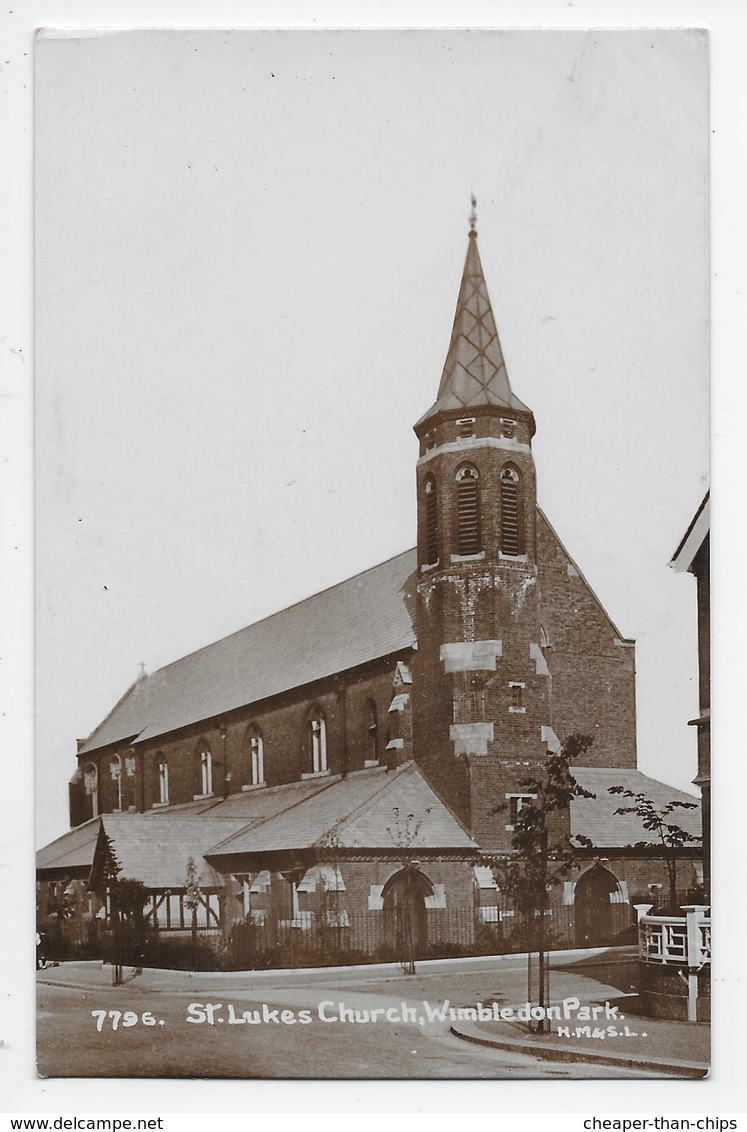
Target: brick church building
[(366, 747)]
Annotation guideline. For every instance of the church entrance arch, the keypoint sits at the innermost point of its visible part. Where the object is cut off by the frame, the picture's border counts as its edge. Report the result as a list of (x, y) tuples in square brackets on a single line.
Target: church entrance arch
[(593, 904), (405, 915)]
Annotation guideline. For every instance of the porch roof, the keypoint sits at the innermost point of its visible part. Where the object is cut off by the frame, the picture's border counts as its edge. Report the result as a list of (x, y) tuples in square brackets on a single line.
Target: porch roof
[(75, 849), (156, 852), (370, 809), (72, 852)]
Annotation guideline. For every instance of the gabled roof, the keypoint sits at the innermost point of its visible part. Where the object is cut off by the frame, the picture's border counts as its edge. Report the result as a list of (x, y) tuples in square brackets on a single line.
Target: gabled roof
[(361, 619), (157, 852), (370, 809), (75, 849), (596, 819), (356, 621), (474, 373)]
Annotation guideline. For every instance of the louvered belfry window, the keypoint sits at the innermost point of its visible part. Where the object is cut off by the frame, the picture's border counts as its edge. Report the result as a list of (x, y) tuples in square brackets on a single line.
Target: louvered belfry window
[(511, 533), (468, 511), (431, 522)]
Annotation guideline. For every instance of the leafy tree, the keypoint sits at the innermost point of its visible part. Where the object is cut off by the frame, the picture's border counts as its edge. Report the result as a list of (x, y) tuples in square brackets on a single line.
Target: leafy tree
[(671, 837), (129, 897), (543, 851)]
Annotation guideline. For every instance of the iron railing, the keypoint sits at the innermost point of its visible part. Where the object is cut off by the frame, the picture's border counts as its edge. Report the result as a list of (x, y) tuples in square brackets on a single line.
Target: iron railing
[(329, 939)]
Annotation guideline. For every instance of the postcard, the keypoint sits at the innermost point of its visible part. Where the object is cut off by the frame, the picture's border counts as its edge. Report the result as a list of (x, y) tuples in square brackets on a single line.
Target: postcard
[(372, 528)]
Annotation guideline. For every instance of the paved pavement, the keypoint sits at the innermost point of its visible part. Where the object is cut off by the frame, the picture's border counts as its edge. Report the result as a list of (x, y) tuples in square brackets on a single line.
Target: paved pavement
[(617, 1037)]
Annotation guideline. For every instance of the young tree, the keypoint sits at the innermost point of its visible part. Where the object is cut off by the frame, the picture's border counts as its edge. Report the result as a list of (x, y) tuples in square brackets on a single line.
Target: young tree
[(110, 870), (126, 899), (405, 919), (671, 837), (331, 918), (192, 900), (543, 851)]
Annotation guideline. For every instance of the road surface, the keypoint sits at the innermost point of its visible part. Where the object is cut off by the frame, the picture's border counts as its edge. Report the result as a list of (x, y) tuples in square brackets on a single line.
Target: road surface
[(355, 1023)]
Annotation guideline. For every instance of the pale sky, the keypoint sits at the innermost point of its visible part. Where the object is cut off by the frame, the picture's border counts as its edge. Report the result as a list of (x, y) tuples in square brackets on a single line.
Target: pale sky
[(94, 650), (249, 247)]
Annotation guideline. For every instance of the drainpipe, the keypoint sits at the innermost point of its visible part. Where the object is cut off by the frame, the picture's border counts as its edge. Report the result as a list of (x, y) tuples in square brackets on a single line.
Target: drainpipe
[(142, 777)]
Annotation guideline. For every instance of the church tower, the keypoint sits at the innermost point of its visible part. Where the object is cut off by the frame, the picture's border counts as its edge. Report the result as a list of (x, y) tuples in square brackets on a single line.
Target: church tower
[(482, 709)]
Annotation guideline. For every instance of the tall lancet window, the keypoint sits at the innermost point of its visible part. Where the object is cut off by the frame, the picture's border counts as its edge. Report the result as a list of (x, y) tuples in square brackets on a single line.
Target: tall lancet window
[(373, 732), (431, 521), (512, 541), (317, 740), (256, 756), (91, 783), (468, 510), (206, 770), (163, 780), (115, 769)]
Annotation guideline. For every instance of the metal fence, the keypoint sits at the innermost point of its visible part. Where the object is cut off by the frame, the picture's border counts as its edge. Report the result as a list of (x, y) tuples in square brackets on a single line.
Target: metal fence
[(317, 941), (73, 938)]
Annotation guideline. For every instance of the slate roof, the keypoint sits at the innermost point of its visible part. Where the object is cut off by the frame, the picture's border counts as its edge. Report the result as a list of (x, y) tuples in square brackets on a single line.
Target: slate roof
[(356, 621), (370, 809), (596, 819), (157, 851), (474, 372), (73, 851)]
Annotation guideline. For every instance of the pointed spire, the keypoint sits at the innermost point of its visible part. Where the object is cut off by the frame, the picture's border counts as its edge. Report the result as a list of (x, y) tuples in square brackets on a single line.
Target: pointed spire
[(475, 372)]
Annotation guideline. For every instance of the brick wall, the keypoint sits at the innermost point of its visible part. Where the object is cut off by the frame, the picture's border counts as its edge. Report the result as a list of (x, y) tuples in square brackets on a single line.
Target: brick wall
[(593, 670), (638, 871), (283, 724)]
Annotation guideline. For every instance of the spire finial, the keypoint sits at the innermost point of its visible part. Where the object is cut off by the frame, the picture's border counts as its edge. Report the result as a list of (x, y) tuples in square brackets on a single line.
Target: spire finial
[(473, 218)]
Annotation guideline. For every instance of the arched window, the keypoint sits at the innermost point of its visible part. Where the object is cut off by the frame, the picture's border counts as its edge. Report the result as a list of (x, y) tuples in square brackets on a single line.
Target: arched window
[(91, 784), (512, 541), (163, 780), (468, 510), (206, 769), (115, 769), (431, 521), (256, 756), (373, 732), (317, 740)]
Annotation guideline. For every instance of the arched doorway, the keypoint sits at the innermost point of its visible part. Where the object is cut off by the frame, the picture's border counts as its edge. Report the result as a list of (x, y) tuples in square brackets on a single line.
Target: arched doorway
[(405, 916), (593, 904)]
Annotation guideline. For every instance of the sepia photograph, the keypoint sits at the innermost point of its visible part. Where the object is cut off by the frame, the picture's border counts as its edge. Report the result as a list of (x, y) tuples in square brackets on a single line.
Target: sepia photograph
[(372, 554)]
